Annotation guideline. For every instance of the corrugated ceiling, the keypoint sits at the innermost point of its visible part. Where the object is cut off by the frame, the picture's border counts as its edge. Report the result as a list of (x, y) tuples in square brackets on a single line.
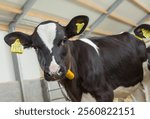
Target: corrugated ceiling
[(124, 17)]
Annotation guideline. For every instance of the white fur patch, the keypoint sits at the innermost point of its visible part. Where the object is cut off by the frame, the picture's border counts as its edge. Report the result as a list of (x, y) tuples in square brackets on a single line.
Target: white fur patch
[(123, 92), (86, 97), (89, 42), (47, 33), (54, 67)]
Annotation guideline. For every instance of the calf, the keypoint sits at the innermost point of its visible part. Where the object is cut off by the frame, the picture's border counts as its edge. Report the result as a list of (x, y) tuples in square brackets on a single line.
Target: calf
[(143, 32), (97, 65)]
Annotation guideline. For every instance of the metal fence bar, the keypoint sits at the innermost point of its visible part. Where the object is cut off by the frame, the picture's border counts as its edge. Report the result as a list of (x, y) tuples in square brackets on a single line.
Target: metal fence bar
[(102, 17), (16, 58)]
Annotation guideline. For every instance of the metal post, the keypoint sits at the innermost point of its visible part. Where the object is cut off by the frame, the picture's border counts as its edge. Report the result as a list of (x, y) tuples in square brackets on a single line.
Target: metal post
[(16, 58), (102, 17), (26, 7), (17, 68)]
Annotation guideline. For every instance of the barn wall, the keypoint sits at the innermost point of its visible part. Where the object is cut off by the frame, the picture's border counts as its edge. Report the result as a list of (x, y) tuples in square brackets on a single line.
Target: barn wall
[(35, 91), (6, 64), (11, 91)]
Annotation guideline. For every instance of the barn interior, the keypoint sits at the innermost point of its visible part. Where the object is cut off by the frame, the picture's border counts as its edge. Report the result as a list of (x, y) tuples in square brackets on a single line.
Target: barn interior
[(21, 77)]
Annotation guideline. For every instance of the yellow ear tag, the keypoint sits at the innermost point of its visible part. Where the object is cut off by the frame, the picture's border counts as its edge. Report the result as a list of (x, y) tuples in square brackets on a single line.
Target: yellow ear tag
[(79, 27), (70, 74), (138, 37), (17, 47), (146, 33)]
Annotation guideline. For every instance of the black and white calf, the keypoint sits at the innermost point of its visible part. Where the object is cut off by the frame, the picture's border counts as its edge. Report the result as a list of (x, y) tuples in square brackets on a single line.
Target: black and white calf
[(99, 64)]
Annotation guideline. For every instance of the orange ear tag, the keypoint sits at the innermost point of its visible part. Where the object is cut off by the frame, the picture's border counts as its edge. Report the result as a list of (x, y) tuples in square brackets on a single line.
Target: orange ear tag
[(79, 27), (17, 47), (70, 74)]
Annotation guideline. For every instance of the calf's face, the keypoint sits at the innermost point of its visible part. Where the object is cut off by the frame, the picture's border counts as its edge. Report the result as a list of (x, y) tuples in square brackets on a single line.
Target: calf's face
[(50, 41)]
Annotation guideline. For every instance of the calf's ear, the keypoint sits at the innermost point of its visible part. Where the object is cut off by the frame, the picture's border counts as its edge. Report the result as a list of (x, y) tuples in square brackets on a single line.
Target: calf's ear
[(76, 26), (143, 31), (24, 39)]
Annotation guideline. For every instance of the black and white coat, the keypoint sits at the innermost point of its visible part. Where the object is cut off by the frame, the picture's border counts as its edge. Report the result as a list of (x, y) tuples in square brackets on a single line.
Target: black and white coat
[(100, 64)]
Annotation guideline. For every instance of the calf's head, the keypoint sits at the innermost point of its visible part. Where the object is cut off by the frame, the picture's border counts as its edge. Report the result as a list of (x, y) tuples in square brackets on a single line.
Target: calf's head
[(50, 41)]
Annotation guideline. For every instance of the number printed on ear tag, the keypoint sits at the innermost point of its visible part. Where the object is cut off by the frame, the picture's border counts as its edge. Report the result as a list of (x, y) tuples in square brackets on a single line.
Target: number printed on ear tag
[(17, 47)]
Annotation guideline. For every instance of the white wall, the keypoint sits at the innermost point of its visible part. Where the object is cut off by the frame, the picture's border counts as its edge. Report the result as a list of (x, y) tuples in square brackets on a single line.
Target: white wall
[(28, 61), (6, 64)]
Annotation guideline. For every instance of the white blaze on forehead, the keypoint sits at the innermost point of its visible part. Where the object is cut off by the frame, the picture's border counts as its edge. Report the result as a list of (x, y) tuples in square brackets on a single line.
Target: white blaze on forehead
[(54, 67), (47, 33), (89, 42)]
